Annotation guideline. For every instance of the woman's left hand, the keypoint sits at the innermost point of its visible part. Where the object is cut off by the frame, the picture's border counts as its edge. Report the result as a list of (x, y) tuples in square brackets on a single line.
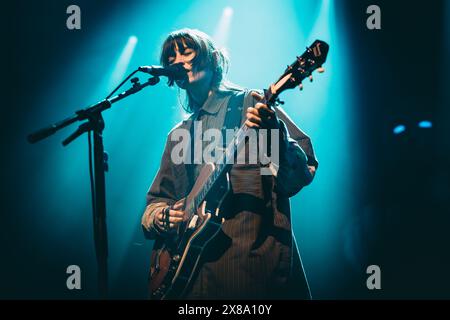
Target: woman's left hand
[(260, 115)]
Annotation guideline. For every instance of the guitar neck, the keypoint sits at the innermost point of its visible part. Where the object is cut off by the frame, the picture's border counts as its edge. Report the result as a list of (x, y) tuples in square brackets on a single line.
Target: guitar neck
[(225, 162), (222, 166)]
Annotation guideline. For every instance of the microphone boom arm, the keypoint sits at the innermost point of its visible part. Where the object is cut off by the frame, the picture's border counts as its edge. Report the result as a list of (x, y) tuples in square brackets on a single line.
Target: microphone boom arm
[(84, 114)]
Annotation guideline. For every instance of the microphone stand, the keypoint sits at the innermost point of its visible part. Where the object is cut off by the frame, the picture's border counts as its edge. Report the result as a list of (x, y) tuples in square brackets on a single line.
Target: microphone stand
[(95, 124)]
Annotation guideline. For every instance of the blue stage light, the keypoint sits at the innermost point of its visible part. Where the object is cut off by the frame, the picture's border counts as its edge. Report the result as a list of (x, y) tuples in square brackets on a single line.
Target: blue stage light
[(123, 62), (425, 124), (223, 27), (399, 129)]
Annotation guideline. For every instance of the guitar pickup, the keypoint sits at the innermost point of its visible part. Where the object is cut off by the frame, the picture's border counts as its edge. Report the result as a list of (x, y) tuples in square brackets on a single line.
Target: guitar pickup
[(193, 222)]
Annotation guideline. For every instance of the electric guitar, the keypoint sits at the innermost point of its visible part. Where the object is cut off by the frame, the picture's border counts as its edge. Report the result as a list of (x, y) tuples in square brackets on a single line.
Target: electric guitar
[(174, 264)]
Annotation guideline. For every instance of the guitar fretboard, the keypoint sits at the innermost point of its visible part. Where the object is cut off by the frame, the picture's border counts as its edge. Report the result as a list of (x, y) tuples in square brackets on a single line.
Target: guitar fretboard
[(223, 165)]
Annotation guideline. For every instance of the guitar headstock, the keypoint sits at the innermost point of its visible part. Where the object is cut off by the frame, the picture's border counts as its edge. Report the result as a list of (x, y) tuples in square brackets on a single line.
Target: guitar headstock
[(313, 58)]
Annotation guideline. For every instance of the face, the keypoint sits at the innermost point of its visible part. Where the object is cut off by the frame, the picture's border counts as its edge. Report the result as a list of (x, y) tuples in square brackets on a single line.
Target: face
[(186, 56)]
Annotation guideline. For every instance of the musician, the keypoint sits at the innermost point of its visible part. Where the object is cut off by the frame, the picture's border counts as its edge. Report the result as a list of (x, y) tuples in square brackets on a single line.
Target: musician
[(255, 255)]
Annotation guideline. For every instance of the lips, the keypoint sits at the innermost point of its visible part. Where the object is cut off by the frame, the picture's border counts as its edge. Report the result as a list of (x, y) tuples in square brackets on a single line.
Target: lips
[(183, 83)]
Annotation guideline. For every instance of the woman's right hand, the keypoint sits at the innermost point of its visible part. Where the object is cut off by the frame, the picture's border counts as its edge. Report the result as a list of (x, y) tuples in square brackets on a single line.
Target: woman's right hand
[(175, 216)]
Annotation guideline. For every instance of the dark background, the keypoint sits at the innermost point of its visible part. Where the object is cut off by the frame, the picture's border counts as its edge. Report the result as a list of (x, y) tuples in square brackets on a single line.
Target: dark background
[(402, 77)]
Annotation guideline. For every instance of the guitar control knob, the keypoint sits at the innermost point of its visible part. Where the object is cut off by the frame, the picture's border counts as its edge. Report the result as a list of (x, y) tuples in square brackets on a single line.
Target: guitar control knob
[(176, 258)]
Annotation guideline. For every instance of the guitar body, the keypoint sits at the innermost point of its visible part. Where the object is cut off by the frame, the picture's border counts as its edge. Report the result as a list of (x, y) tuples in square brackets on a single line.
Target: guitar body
[(174, 264)]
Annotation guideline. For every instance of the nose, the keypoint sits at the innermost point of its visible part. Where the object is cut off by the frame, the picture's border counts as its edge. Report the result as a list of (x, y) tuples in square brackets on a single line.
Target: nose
[(179, 58)]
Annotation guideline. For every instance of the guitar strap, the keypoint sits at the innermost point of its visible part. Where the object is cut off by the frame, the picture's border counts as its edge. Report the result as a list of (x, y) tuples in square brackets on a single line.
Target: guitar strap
[(232, 120), (234, 114)]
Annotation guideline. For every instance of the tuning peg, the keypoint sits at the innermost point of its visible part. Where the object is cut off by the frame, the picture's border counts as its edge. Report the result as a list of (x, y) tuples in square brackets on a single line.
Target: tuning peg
[(321, 70), (278, 101), (300, 86), (311, 78)]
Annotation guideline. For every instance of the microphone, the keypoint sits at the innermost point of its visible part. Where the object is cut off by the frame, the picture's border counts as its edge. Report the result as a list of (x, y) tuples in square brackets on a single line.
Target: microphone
[(173, 71)]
